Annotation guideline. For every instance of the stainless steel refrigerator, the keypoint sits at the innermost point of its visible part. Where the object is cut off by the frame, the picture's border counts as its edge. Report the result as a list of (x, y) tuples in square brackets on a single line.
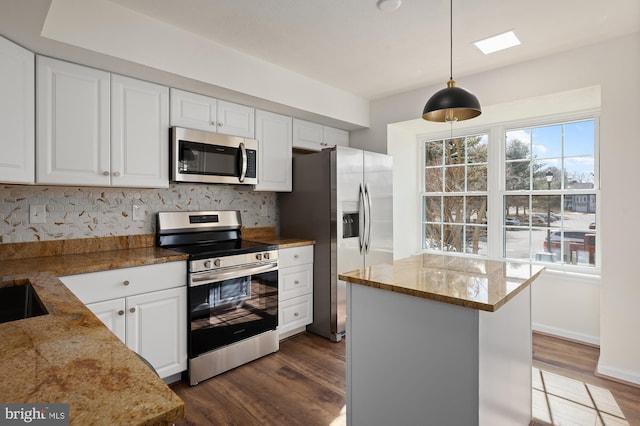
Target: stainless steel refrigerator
[(342, 199)]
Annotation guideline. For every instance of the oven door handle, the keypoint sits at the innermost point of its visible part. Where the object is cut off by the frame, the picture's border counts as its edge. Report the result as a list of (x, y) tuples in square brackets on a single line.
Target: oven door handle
[(203, 278)]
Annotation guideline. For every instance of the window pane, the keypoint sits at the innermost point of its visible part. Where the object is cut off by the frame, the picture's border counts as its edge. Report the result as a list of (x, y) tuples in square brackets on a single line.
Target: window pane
[(432, 237), (477, 210), (517, 175), (517, 207), (545, 210), (476, 240), (455, 151), (433, 179), (540, 171), (517, 243), (477, 149), (578, 238), (518, 144), (579, 139), (452, 238), (433, 153), (547, 141), (432, 209), (477, 178), (579, 172), (454, 179), (453, 209)]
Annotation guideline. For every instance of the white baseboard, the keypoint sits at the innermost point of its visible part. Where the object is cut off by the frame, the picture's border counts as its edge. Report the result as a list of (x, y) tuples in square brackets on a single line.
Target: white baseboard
[(566, 334), (632, 378)]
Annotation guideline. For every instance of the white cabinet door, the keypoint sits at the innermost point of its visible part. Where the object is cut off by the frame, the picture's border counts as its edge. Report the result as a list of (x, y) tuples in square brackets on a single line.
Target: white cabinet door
[(333, 136), (72, 124), (139, 133), (236, 120), (157, 329), (112, 314), (17, 112), (274, 135), (193, 111), (307, 135)]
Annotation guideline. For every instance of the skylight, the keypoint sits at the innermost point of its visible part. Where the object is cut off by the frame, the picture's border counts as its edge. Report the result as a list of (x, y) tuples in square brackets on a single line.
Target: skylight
[(497, 43)]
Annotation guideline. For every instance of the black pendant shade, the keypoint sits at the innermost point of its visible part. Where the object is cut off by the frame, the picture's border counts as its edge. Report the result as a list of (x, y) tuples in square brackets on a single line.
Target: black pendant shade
[(451, 104)]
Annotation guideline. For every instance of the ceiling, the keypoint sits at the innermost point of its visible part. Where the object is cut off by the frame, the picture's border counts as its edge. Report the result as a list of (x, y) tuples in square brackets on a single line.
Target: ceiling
[(351, 45)]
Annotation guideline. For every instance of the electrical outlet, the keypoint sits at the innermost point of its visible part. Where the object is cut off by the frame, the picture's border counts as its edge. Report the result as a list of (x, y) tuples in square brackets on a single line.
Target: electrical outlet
[(138, 212), (37, 213)]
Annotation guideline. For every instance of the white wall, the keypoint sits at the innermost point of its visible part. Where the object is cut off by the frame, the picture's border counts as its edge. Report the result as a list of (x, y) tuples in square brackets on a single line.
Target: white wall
[(615, 66)]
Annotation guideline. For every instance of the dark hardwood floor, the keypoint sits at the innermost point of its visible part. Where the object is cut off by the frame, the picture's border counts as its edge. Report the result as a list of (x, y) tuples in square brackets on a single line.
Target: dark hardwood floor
[(304, 384)]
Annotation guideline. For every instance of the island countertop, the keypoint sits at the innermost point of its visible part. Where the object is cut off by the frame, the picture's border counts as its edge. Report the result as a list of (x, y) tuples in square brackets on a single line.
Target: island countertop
[(470, 282)]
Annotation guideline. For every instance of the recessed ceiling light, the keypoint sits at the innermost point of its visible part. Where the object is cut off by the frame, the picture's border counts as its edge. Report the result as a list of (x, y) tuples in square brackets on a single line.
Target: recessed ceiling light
[(498, 42), (388, 5)]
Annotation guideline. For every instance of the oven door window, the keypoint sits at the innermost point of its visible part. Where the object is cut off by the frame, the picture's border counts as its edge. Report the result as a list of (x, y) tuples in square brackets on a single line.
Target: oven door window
[(204, 159), (228, 311)]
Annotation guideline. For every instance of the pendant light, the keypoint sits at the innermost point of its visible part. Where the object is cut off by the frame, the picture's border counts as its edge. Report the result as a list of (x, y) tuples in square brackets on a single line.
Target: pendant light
[(453, 103)]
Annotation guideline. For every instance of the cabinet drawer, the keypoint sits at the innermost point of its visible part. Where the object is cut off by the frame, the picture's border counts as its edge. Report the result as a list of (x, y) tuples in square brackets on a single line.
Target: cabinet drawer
[(104, 285), (295, 256), (295, 281), (296, 312)]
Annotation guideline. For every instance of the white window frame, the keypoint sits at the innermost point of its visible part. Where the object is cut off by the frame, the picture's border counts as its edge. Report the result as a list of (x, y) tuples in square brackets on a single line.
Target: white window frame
[(496, 190)]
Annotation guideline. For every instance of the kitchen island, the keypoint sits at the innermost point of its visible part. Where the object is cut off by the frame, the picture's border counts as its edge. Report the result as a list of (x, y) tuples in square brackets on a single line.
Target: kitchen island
[(442, 340)]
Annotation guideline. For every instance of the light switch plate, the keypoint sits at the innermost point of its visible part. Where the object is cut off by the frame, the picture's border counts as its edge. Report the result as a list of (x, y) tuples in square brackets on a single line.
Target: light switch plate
[(138, 212), (37, 213)]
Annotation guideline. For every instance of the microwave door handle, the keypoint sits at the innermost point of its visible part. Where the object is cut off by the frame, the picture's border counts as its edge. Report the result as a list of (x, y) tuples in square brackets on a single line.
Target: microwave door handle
[(243, 166)]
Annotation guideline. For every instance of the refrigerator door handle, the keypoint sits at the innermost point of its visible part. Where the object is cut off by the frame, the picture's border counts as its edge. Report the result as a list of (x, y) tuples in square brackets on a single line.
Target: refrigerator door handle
[(362, 219), (367, 196)]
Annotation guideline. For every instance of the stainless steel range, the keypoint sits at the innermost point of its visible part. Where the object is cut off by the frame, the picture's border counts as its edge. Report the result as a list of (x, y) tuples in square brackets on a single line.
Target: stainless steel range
[(233, 290)]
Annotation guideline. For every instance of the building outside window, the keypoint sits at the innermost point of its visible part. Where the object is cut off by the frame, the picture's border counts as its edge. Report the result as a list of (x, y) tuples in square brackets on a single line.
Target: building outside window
[(543, 178)]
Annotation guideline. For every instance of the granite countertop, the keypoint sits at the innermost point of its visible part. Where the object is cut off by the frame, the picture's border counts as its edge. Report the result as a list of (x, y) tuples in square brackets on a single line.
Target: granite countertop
[(69, 356), (470, 282)]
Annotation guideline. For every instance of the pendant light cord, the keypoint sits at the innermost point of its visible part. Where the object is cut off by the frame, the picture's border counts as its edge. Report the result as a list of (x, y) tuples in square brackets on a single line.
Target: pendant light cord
[(451, 40)]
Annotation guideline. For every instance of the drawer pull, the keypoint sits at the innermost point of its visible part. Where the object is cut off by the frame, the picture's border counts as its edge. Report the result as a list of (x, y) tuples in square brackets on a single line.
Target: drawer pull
[(125, 282), (296, 314), (132, 310), (296, 282), (120, 312), (295, 256)]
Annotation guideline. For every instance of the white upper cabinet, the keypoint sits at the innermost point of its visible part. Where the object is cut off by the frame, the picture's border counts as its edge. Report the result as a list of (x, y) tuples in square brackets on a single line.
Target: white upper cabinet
[(17, 110), (333, 136), (315, 137), (195, 111), (139, 133), (274, 135), (92, 131), (72, 124)]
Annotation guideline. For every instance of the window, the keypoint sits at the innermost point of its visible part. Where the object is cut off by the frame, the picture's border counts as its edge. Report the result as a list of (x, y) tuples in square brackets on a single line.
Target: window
[(454, 200), (550, 193)]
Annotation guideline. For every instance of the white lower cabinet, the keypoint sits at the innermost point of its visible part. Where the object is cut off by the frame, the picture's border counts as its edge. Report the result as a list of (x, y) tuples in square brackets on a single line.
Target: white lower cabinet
[(295, 290), (145, 306)]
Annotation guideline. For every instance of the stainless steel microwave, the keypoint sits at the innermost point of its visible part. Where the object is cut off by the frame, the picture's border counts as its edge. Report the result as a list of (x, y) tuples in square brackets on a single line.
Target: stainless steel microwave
[(206, 157)]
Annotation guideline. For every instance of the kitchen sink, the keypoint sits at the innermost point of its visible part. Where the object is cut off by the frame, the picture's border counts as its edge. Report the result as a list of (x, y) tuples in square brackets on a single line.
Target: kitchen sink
[(19, 302)]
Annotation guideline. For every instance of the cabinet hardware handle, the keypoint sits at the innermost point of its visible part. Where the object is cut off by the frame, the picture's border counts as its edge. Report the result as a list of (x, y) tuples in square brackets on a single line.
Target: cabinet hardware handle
[(120, 312), (132, 310), (220, 124), (105, 173), (295, 256), (296, 314), (126, 282), (116, 174), (213, 123), (296, 282)]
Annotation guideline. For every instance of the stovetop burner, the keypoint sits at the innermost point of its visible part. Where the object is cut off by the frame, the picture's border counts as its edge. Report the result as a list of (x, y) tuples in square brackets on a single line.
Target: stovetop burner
[(223, 248)]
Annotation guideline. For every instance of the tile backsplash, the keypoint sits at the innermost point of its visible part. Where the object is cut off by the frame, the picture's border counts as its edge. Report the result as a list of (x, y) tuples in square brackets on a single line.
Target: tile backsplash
[(74, 212)]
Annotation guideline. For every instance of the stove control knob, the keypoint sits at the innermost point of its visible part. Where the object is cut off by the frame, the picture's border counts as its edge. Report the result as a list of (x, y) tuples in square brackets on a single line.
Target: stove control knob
[(207, 264), (216, 262), (266, 256), (259, 256)]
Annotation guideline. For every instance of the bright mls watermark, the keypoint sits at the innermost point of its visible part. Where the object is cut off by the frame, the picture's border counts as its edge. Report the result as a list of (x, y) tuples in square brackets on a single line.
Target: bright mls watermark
[(36, 414)]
